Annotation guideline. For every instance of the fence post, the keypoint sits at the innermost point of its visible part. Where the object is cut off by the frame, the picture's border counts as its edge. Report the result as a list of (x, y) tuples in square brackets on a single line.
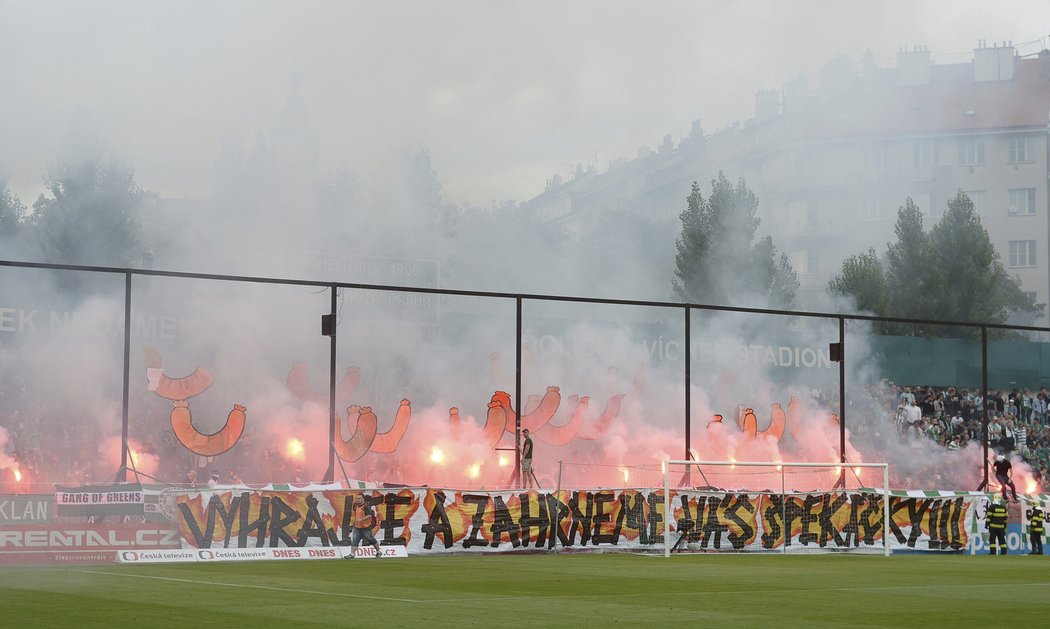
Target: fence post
[(517, 393), (122, 473), (984, 406), (329, 475), (688, 396)]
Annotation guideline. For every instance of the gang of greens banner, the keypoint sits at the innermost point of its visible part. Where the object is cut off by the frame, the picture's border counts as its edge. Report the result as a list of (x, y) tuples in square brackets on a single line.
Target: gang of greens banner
[(100, 500), (442, 521)]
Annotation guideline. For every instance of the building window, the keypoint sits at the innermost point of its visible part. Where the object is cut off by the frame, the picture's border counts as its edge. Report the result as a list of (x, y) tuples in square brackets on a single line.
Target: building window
[(971, 151), (871, 208), (1019, 148), (800, 217), (804, 262), (1022, 253), (799, 164), (925, 152), (799, 261), (877, 156), (926, 203), (979, 203), (1022, 201)]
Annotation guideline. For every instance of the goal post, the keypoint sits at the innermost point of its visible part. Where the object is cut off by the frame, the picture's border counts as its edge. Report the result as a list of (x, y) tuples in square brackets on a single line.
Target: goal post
[(777, 483)]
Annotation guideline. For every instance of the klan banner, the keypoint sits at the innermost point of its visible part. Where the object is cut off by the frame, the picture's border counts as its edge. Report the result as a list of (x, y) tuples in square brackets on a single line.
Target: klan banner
[(100, 500), (22, 508), (431, 520)]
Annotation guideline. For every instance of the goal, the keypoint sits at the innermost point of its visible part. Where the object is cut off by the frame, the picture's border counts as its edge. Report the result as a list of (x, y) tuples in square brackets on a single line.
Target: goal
[(735, 506)]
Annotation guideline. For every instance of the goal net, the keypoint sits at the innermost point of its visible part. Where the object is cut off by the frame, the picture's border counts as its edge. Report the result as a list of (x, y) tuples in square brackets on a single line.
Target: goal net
[(732, 506)]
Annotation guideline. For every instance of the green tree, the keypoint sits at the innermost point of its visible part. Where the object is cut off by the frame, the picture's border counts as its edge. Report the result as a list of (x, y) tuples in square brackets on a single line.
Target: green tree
[(92, 215), (12, 213), (864, 279), (907, 264), (974, 285), (718, 260), (952, 273)]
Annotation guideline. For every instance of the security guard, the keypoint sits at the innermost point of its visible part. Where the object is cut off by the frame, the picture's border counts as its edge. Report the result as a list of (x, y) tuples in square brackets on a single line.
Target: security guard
[(1035, 524), (995, 519)]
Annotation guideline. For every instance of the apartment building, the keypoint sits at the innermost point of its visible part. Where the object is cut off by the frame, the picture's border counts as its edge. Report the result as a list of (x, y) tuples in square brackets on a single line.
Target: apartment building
[(831, 165)]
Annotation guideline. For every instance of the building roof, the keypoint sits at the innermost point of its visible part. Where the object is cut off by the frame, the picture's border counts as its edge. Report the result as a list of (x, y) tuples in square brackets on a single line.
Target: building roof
[(952, 102)]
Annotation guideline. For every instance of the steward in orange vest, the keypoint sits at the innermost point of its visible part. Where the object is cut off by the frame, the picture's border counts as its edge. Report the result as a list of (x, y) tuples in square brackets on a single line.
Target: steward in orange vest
[(364, 522)]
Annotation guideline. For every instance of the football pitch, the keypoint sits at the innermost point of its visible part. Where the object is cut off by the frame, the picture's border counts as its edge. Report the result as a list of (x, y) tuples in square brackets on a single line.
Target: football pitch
[(581, 590)]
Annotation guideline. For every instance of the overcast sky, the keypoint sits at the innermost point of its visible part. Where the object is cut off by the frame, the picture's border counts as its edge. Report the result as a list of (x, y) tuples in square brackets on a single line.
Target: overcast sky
[(504, 94)]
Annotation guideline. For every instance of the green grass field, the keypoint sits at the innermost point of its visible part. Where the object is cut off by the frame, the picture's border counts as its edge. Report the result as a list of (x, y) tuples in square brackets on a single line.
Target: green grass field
[(540, 591)]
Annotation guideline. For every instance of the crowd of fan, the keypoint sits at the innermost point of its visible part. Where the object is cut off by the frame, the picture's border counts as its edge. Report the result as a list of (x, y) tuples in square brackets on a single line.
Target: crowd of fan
[(952, 417), (50, 448), (47, 445)]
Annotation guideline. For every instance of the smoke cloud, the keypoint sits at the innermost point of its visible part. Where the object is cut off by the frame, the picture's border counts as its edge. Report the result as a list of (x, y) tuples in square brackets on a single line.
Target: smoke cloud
[(399, 145)]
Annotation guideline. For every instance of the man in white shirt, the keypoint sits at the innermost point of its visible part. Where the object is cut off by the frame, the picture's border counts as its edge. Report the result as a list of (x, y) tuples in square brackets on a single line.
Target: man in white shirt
[(912, 415)]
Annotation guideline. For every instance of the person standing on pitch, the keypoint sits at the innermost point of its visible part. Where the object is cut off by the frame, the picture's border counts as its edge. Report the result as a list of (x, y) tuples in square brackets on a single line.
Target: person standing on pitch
[(996, 523), (1003, 468), (1035, 528), (364, 520), (526, 461)]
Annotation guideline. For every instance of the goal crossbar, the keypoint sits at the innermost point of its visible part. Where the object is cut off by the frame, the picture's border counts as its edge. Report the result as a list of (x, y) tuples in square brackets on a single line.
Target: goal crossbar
[(666, 468)]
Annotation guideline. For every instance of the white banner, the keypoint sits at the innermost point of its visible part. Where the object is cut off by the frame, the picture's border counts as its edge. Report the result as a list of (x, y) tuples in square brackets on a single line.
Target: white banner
[(251, 554), (427, 521), (156, 556), (100, 500)]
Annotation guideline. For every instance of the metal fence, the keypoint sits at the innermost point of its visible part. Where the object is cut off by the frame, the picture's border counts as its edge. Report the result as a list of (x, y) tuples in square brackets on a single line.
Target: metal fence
[(109, 372)]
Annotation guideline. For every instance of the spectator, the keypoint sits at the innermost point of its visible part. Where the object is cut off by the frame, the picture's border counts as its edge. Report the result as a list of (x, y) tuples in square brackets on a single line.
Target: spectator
[(938, 407), (1006, 444), (1004, 474), (952, 403), (997, 402), (926, 403), (912, 415), (978, 401), (995, 430), (1026, 406), (1039, 409)]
